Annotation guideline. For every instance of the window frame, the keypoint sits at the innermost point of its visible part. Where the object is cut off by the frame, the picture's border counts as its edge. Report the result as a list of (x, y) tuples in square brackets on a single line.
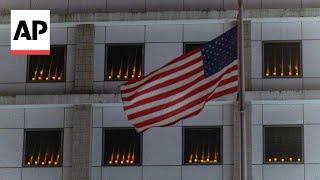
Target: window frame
[(193, 43), (220, 127), (106, 60), (64, 67), (61, 130), (281, 41), (283, 126), (103, 154)]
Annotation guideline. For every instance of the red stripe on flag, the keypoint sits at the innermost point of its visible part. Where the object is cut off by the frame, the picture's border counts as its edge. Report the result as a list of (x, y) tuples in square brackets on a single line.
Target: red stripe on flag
[(172, 113), (164, 84), (163, 74), (182, 57), (172, 103), (163, 95)]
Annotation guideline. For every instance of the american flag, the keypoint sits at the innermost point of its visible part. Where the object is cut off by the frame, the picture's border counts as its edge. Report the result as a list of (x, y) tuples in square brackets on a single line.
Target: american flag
[(180, 89)]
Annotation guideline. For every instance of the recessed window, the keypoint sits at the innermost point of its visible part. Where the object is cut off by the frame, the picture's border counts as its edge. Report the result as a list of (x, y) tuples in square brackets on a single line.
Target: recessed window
[(124, 62), (192, 46), (49, 68), (283, 145), (43, 148), (122, 147), (202, 146), (282, 59)]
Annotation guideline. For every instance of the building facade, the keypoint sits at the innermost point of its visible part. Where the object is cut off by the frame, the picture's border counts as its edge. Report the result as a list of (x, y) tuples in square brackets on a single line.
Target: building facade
[(58, 112)]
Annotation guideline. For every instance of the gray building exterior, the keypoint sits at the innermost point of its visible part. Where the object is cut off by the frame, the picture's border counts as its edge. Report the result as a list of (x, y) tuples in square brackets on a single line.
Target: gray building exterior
[(85, 103)]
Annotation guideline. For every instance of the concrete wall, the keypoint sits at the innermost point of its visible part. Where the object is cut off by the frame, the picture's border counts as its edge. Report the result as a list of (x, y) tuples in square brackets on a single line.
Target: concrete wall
[(13, 73), (157, 162), (163, 42), (13, 121), (162, 147), (305, 32), (286, 113), (148, 5)]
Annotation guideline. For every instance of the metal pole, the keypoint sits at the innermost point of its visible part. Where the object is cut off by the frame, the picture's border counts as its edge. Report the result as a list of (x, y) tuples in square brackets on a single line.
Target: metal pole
[(243, 158)]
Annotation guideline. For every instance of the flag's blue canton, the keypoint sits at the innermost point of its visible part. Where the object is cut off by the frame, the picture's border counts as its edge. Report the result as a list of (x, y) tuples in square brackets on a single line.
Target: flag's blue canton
[(220, 52)]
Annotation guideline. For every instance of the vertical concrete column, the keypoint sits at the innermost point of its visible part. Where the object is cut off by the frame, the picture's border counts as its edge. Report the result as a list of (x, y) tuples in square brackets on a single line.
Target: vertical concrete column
[(81, 139), (247, 116), (84, 59), (247, 53), (236, 143)]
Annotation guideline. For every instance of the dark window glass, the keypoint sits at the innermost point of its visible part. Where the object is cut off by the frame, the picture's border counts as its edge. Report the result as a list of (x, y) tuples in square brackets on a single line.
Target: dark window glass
[(202, 146), (121, 147), (47, 68), (283, 144), (192, 46), (282, 59), (124, 62), (43, 148)]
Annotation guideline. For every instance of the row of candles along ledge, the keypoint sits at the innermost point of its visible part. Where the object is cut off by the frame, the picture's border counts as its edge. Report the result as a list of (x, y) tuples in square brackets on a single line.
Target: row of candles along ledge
[(39, 74), (125, 75), (37, 159), (122, 158), (290, 159), (290, 73), (194, 158)]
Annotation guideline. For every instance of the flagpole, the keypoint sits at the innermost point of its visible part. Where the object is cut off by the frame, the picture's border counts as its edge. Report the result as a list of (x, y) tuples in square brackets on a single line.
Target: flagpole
[(243, 159)]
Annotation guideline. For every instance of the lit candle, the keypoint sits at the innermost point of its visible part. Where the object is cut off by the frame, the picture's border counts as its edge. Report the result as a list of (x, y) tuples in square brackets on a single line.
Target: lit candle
[(60, 76), (57, 159), (128, 156), (299, 159), (282, 160), (275, 159), (122, 159), (132, 158), (112, 156), (120, 70), (215, 161), (270, 160), (29, 163), (202, 156), (117, 157), (267, 71), (190, 158), (134, 68), (111, 73), (290, 159)]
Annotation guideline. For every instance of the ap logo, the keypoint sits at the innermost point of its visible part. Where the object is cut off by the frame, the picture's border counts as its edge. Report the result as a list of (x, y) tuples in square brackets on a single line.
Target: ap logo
[(30, 32)]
